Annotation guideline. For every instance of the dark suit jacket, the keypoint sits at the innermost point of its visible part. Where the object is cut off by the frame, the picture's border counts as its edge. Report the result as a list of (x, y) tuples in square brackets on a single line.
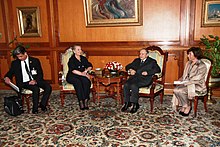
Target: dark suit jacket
[(150, 66), (15, 70), (75, 64)]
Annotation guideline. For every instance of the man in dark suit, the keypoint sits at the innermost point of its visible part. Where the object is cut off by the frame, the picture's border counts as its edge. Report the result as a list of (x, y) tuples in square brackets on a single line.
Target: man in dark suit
[(141, 71), (29, 75)]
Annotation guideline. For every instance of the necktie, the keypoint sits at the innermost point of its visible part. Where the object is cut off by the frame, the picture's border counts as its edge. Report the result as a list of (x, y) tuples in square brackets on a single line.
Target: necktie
[(142, 62), (28, 72)]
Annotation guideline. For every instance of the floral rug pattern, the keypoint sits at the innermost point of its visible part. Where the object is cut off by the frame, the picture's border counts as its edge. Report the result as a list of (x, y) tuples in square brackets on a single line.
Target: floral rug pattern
[(104, 125)]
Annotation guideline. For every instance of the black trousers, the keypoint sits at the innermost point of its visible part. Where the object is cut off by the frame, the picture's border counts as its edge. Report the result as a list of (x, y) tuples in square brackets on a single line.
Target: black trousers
[(131, 89), (82, 86), (36, 91)]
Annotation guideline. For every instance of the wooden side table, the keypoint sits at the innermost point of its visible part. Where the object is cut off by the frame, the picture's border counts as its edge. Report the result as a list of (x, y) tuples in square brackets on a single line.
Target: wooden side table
[(112, 87)]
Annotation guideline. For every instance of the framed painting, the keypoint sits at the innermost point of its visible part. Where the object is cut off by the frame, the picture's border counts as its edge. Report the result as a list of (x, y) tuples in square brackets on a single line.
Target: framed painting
[(29, 21), (211, 13), (113, 12)]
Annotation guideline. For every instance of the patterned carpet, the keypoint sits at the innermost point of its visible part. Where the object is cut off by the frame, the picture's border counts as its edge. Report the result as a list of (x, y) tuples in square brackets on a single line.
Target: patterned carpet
[(105, 126)]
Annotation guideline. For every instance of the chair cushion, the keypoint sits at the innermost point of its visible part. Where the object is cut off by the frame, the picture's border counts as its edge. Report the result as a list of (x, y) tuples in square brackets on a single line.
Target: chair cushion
[(27, 91), (146, 90), (200, 93), (67, 86)]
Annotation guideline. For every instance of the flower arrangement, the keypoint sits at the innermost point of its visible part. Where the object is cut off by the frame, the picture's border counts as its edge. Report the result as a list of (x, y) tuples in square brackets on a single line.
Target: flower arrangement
[(114, 66)]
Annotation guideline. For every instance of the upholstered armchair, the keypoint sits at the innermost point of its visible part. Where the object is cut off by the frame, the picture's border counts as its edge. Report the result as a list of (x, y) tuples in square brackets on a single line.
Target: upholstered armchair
[(65, 87), (157, 87)]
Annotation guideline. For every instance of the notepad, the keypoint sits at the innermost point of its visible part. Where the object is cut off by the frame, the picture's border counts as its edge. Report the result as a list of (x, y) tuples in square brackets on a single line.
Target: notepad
[(14, 86), (180, 82)]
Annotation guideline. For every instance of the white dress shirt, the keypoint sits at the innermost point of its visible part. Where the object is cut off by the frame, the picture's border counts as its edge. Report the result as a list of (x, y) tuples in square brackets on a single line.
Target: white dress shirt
[(24, 72)]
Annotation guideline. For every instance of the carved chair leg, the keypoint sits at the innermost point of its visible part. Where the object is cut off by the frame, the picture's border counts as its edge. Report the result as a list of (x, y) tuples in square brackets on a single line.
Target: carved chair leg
[(161, 97), (62, 97), (122, 98), (195, 105), (122, 95), (205, 102), (27, 99), (151, 104), (93, 96)]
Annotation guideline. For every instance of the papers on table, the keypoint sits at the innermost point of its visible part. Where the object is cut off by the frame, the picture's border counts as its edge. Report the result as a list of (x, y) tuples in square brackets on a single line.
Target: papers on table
[(180, 82), (14, 86)]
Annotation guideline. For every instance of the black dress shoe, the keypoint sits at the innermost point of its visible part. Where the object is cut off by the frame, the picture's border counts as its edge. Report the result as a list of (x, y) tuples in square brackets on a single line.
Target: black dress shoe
[(43, 108), (125, 106), (186, 114), (181, 112), (134, 108), (35, 112)]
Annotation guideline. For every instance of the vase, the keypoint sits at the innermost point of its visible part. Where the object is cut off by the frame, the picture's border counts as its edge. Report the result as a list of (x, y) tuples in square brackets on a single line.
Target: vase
[(214, 82)]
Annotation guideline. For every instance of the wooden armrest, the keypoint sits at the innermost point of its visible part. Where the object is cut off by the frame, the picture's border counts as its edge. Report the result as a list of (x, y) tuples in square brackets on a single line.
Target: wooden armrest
[(155, 77)]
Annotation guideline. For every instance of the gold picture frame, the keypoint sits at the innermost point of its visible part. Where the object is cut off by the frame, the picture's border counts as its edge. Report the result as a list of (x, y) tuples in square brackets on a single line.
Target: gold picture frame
[(113, 12), (211, 13), (29, 21)]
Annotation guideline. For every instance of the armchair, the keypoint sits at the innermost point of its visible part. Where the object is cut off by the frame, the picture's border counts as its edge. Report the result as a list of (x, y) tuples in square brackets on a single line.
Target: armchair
[(157, 87), (208, 64)]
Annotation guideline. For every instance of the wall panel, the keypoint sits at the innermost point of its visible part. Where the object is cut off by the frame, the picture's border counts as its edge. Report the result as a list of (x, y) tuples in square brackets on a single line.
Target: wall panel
[(160, 23), (172, 69), (3, 64), (43, 19), (199, 31), (2, 31), (47, 63)]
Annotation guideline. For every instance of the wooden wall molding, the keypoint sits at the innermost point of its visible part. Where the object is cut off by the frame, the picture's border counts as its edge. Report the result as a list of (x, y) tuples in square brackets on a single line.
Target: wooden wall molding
[(56, 22), (192, 23), (51, 23), (124, 43), (4, 20), (9, 19)]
